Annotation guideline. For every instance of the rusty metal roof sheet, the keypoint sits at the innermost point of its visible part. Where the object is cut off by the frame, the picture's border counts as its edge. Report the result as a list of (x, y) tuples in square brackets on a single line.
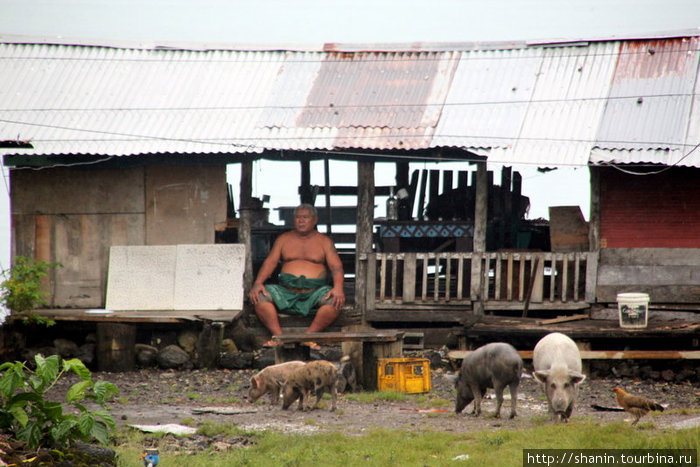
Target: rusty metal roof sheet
[(545, 104)]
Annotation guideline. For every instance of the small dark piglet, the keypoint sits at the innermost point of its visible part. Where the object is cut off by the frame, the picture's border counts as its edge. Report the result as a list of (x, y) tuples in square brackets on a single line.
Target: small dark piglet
[(494, 365), (347, 376)]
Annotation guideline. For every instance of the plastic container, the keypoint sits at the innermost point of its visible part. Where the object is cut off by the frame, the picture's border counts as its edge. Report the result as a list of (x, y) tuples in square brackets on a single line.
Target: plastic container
[(633, 309), (409, 375)]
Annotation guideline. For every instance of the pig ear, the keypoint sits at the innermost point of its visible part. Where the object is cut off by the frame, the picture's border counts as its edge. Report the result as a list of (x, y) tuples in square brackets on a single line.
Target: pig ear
[(254, 382), (541, 376), (576, 378)]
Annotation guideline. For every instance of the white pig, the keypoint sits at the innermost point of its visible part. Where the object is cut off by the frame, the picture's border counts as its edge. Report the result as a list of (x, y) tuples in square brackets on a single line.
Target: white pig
[(270, 379), (557, 364)]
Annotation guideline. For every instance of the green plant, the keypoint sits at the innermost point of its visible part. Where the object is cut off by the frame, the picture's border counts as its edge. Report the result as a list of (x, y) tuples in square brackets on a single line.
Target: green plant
[(21, 289), (26, 412)]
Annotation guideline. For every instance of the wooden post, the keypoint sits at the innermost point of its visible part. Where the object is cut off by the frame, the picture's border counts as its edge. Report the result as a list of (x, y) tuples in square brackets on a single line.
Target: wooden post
[(327, 179), (402, 174), (363, 236), (209, 344), (371, 352), (594, 214), (421, 194), (446, 181), (245, 224), (515, 208), (305, 195), (434, 188), (505, 206), (480, 220), (480, 208), (115, 347)]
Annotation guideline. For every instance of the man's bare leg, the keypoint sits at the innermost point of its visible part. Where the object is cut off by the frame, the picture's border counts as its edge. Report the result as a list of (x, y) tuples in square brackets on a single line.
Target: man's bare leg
[(325, 315), (267, 313)]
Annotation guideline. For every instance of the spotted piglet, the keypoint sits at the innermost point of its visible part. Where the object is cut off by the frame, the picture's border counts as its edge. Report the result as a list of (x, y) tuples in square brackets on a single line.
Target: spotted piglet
[(270, 379), (317, 376)]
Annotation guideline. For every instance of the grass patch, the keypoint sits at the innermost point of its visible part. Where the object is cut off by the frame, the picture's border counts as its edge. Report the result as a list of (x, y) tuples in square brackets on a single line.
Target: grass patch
[(395, 447)]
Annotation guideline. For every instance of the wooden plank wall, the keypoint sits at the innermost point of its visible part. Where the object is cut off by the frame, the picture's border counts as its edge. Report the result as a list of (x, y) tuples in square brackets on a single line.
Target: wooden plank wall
[(668, 275)]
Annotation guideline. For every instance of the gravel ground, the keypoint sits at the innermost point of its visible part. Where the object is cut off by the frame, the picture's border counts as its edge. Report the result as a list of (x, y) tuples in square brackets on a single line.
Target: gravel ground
[(149, 397)]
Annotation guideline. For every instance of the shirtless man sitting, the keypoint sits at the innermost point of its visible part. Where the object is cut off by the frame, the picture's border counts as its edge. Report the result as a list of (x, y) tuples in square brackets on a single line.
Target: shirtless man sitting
[(307, 257)]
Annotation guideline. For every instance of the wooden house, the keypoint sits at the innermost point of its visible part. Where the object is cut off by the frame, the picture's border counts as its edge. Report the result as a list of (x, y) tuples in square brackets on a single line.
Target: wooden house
[(128, 144)]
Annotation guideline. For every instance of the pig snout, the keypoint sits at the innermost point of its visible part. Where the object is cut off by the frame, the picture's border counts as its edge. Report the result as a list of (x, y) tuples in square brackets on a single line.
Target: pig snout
[(560, 402)]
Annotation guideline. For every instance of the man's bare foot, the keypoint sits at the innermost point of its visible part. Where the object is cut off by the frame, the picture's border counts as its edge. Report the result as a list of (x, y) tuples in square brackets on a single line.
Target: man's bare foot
[(312, 345), (271, 343)]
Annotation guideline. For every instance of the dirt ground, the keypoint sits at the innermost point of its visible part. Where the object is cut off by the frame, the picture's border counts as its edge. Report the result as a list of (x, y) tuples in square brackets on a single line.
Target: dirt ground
[(150, 397)]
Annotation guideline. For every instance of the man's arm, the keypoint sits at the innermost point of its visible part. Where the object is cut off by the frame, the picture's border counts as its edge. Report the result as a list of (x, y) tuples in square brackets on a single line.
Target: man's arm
[(335, 265), (266, 270)]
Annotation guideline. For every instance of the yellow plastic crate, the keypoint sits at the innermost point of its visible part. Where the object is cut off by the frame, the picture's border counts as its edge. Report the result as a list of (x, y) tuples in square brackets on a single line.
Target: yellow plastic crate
[(409, 375)]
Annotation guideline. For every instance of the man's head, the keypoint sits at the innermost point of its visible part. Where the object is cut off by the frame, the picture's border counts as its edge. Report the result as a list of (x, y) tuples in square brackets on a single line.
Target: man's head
[(305, 218)]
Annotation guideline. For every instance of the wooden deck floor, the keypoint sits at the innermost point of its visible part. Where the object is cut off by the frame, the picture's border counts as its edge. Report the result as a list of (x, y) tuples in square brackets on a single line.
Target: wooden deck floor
[(149, 316), (585, 328)]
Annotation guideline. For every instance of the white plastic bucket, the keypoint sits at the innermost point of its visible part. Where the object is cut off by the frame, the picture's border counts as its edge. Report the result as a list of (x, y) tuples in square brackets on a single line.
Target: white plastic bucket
[(633, 309)]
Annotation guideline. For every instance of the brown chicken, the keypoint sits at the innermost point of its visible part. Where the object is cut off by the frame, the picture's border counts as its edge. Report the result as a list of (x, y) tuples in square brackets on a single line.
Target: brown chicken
[(636, 405)]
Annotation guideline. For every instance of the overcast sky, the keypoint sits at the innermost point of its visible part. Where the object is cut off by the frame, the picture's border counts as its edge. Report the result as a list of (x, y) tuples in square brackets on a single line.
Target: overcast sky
[(357, 21), (317, 21)]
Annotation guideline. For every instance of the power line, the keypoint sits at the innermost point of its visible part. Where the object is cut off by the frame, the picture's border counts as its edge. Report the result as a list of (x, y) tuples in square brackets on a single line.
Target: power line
[(245, 142), (336, 107)]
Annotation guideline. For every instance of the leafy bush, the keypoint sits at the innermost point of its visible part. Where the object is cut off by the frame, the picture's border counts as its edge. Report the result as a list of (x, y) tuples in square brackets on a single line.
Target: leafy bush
[(25, 411), (21, 289)]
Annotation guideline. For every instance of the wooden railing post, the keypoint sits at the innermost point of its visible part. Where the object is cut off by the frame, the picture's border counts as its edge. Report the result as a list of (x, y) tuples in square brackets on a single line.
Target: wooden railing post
[(365, 222)]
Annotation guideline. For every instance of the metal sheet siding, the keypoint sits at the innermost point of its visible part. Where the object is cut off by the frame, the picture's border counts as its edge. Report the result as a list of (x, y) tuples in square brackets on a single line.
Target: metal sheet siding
[(650, 95), (567, 102), (488, 98), (379, 100), (544, 105), (94, 100)]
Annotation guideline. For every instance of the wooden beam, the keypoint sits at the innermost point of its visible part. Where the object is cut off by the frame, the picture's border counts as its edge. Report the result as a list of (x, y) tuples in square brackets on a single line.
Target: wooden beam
[(245, 225), (365, 223), (305, 195), (563, 319), (327, 181), (594, 211), (481, 208)]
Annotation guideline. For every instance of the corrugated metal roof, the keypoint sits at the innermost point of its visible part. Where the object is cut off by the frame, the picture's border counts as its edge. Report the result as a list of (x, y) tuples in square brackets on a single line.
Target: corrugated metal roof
[(547, 105)]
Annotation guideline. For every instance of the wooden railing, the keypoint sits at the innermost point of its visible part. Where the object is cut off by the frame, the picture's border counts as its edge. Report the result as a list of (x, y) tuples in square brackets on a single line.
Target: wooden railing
[(498, 279)]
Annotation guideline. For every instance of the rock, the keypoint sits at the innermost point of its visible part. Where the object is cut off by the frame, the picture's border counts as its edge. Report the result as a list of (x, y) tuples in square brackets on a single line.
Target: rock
[(244, 338), (332, 354), (29, 354), (187, 340), (236, 361), (96, 454), (66, 348), (228, 346), (146, 355), (264, 360), (162, 339), (86, 354), (172, 357), (435, 359)]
